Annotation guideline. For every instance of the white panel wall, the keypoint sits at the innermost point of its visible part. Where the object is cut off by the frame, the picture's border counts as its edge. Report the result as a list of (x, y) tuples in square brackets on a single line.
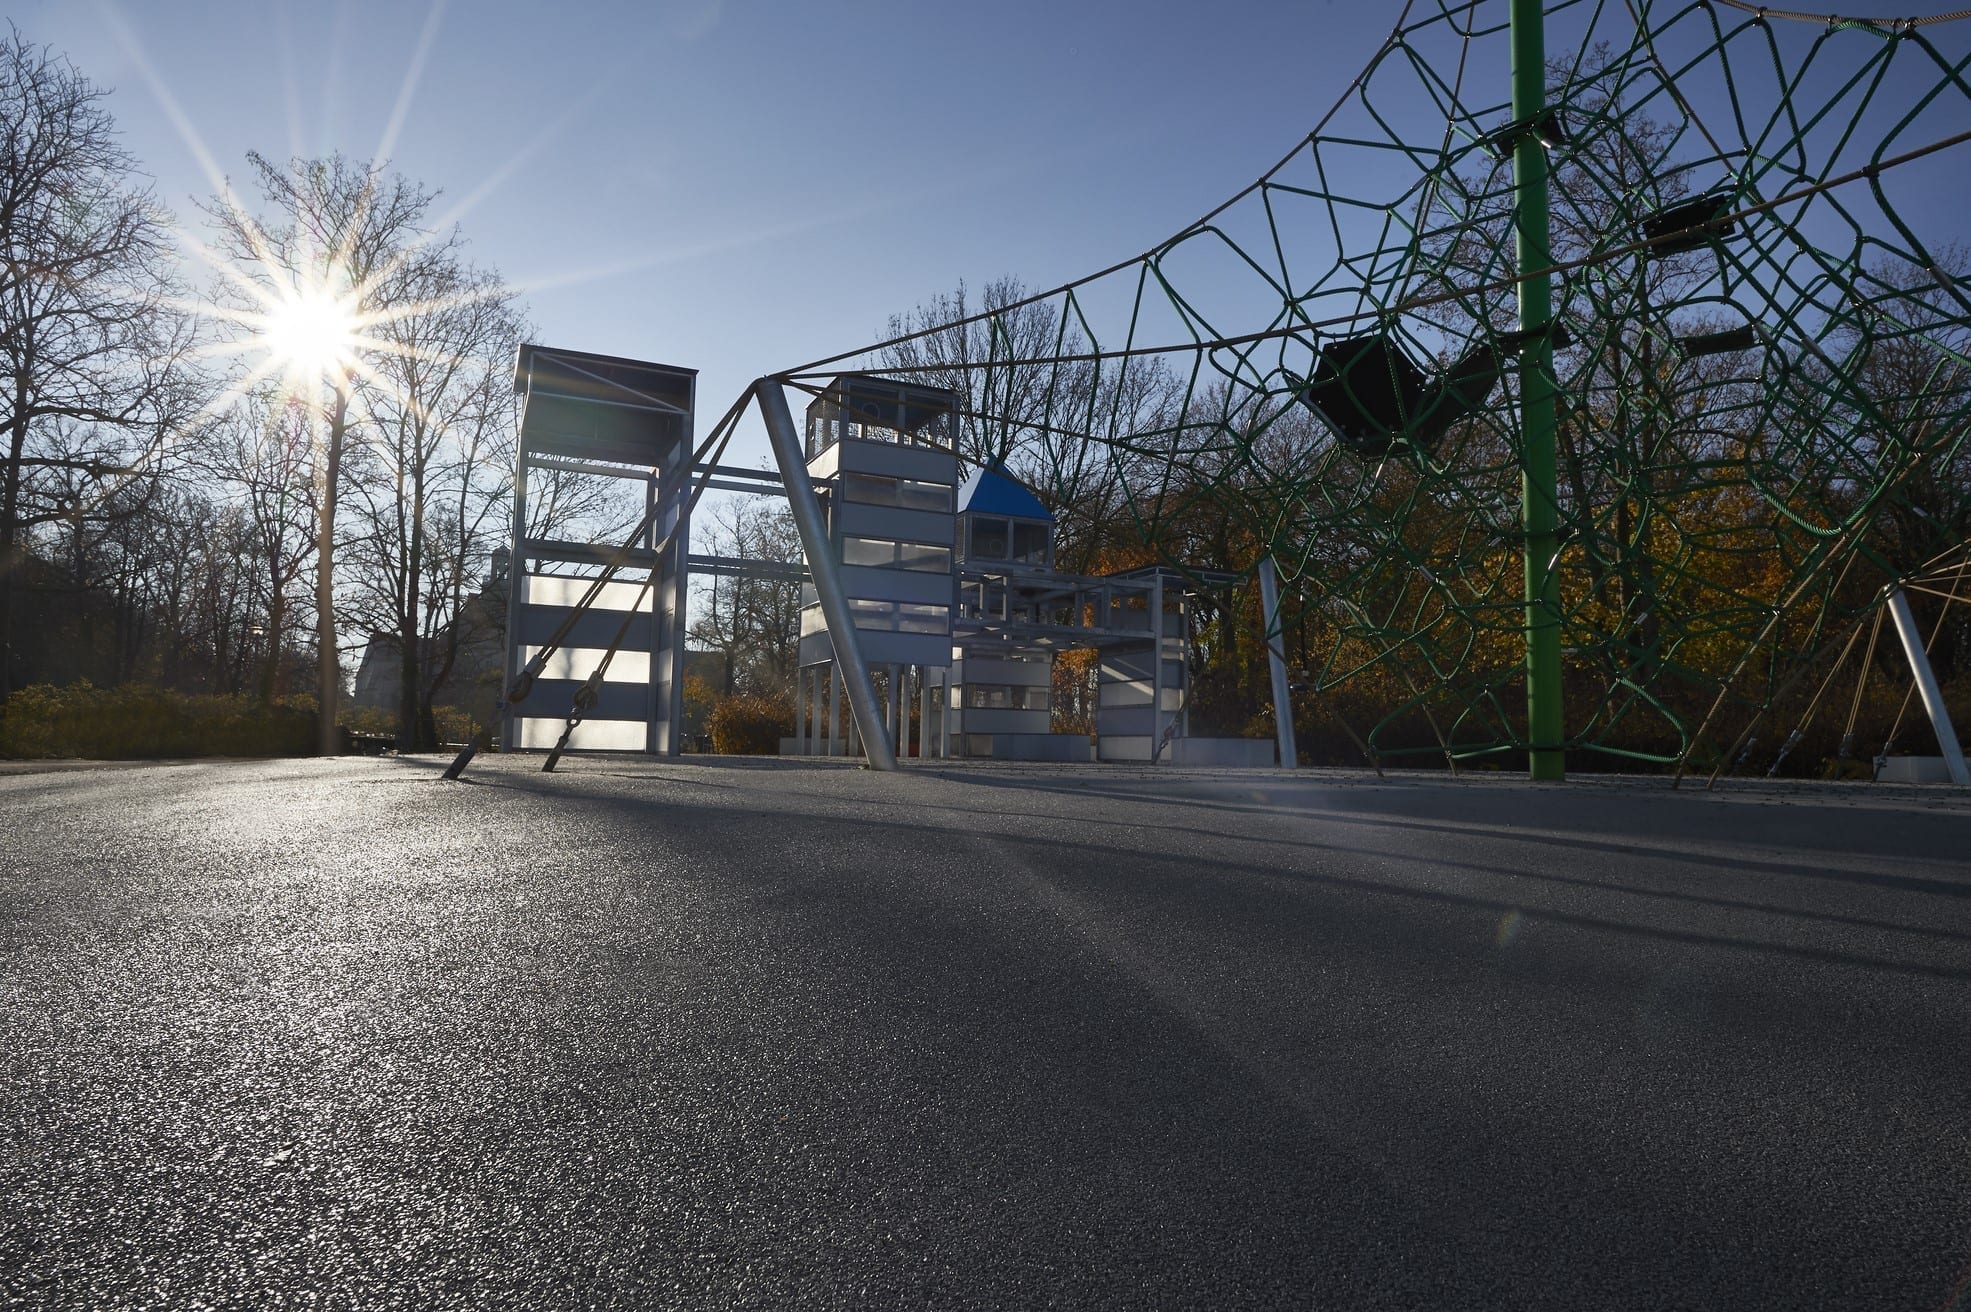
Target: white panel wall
[(560, 590), (580, 662), (596, 735)]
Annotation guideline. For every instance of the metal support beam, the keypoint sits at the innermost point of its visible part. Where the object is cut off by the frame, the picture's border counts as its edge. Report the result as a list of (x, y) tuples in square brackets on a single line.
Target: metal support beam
[(1926, 686), (800, 711), (944, 715), (806, 508), (923, 713), (815, 698), (583, 553), (744, 474), (516, 597), (1539, 489), (837, 741), (1276, 660), (595, 467), (1156, 669), (740, 567)]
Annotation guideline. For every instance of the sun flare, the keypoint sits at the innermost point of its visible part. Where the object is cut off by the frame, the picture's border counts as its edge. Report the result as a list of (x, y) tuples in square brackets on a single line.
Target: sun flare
[(311, 333)]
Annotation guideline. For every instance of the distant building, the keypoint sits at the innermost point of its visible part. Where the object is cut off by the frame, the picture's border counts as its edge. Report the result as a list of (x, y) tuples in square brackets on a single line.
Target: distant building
[(472, 683)]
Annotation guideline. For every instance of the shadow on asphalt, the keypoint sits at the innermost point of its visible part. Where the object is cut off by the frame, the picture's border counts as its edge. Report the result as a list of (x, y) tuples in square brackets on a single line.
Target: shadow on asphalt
[(1640, 844), (1059, 854)]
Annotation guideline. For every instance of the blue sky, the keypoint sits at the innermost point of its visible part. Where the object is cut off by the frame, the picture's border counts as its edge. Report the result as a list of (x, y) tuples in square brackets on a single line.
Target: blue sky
[(739, 187)]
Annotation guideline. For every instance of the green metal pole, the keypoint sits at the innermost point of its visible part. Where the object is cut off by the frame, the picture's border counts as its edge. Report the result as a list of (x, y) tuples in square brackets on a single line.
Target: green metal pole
[(1539, 493)]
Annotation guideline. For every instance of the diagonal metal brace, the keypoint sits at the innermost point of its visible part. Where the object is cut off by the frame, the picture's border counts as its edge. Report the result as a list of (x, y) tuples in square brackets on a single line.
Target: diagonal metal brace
[(821, 568)]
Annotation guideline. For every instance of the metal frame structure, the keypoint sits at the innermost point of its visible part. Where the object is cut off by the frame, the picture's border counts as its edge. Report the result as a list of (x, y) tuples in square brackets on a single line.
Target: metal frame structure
[(575, 605), (1008, 614), (1540, 485), (1926, 686), (1276, 662), (825, 575), (608, 417)]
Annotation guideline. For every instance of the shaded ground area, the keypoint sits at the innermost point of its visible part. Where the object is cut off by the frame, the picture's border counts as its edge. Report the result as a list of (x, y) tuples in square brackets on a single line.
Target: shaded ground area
[(335, 1033)]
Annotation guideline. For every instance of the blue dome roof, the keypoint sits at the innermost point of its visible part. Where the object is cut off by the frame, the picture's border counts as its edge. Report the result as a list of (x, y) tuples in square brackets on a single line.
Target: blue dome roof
[(994, 492)]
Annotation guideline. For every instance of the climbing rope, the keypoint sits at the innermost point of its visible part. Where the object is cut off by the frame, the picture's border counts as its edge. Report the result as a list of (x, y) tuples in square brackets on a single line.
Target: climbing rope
[(1836, 20), (1847, 750)]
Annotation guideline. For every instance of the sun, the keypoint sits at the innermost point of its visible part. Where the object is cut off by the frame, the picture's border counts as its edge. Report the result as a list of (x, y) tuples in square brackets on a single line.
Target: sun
[(311, 333)]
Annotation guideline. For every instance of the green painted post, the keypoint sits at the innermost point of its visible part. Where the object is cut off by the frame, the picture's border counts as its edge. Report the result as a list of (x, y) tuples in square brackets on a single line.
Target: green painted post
[(1539, 493)]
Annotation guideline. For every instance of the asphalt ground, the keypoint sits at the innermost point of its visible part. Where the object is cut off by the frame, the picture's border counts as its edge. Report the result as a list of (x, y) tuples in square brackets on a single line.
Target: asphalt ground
[(335, 1033)]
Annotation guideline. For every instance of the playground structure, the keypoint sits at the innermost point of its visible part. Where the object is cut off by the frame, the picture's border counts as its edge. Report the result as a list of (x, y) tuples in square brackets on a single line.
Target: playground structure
[(572, 602), (951, 589), (954, 594), (1623, 399)]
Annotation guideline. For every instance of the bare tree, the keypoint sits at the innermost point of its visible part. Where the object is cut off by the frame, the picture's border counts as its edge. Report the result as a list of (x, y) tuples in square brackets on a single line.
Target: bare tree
[(91, 334), (349, 233), (753, 623), (259, 454), (1003, 398), (441, 398), (1048, 421)]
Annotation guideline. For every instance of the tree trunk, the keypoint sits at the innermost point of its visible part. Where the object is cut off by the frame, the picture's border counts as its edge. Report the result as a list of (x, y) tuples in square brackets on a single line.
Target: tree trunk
[(11, 555), (328, 685), (410, 686), (446, 655), (276, 615)]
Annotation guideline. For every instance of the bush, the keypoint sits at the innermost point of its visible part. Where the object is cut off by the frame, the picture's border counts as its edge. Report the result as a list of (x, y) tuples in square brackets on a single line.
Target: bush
[(750, 726), (456, 725), (140, 721), (373, 720)]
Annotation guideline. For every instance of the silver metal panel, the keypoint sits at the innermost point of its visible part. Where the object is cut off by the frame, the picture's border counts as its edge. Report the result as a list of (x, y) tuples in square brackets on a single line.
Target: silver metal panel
[(1041, 747), (988, 719), (540, 732), (597, 628), (925, 463), (904, 648), (932, 526), (564, 590), (1912, 770), (1022, 674), (588, 553), (577, 663), (584, 430), (1125, 720), (1123, 747), (868, 583), (1244, 753), (928, 649), (825, 465), (614, 701)]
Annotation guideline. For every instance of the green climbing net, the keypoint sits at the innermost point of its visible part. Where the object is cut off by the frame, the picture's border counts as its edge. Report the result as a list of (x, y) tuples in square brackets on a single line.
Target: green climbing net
[(1761, 360)]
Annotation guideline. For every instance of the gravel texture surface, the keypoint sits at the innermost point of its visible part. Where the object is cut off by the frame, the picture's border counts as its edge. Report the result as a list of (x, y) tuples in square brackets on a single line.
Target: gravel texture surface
[(335, 1033)]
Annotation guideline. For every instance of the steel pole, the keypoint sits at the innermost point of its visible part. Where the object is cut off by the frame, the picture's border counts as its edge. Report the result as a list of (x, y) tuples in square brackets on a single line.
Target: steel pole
[(821, 568), (1539, 491), (1926, 687), (1269, 603), (1156, 667)]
